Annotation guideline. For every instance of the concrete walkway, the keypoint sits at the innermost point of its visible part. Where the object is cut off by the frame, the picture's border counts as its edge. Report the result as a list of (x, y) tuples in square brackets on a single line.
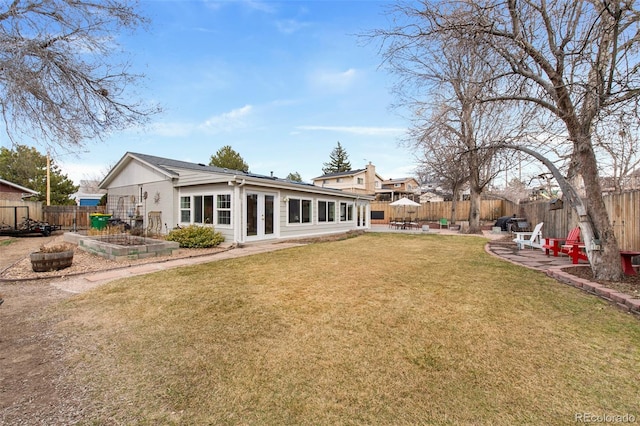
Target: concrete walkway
[(82, 283)]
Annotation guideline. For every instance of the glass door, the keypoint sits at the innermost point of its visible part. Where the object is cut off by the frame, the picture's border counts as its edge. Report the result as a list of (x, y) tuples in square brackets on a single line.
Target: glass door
[(260, 215)]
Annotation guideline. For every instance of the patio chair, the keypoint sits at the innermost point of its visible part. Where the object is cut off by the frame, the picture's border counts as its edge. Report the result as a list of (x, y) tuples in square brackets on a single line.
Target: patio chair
[(561, 245), (574, 247), (531, 239), (443, 222)]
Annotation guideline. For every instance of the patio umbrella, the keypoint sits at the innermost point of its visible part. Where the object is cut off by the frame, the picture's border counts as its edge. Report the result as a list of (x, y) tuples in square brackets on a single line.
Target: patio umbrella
[(404, 202)]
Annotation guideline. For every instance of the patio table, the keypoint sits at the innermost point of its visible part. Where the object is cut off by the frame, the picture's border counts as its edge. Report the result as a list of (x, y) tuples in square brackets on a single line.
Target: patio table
[(625, 257), (553, 244), (576, 252)]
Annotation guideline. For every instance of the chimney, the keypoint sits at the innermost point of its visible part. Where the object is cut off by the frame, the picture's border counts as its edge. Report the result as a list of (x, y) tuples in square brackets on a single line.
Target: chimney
[(370, 179)]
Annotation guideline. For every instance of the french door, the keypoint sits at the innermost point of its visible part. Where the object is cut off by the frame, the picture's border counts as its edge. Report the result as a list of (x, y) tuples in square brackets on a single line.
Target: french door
[(260, 215)]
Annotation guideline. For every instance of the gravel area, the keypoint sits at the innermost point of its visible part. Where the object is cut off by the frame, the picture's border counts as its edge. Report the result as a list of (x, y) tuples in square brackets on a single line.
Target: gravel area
[(34, 389), (84, 262)]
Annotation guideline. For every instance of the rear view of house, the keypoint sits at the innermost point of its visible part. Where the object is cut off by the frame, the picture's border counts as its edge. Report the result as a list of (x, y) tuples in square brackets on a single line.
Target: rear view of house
[(159, 194)]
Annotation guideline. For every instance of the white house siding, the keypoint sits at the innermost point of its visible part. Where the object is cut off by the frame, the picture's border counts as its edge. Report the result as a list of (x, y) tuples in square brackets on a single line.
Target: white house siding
[(160, 191), (212, 190), (315, 227), (138, 173), (165, 181)]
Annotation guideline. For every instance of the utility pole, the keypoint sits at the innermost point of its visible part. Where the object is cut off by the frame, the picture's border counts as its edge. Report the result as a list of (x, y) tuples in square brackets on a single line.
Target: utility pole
[(48, 178)]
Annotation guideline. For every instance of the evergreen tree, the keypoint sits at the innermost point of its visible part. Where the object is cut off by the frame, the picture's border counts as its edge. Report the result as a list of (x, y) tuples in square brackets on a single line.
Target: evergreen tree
[(227, 158), (294, 177), (338, 161), (27, 167)]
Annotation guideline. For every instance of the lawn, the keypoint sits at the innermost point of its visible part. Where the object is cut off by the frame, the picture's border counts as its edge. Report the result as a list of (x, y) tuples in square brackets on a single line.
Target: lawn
[(378, 329)]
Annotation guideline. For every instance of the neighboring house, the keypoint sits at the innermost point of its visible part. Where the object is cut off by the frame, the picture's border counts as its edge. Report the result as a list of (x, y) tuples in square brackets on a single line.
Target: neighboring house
[(361, 181), (13, 192), (394, 189), (160, 194), (430, 197), (89, 193)]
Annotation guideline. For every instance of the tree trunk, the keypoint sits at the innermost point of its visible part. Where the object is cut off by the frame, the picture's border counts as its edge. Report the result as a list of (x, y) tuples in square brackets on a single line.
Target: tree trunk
[(474, 212), (593, 219), (454, 204), (605, 256)]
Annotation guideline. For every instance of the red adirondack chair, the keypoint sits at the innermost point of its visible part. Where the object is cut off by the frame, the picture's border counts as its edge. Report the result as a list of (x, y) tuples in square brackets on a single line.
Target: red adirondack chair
[(572, 246)]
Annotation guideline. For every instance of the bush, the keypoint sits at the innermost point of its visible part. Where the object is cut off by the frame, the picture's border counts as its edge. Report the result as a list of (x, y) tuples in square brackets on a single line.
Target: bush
[(58, 248), (194, 236)]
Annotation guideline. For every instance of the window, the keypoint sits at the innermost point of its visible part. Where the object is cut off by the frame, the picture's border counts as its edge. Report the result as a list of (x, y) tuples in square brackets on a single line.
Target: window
[(299, 210), (346, 212), (326, 211), (397, 185), (224, 209), (339, 180), (185, 209), (360, 181), (206, 209)]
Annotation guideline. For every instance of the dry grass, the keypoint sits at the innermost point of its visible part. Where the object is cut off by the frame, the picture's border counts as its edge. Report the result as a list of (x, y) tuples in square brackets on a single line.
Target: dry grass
[(379, 329)]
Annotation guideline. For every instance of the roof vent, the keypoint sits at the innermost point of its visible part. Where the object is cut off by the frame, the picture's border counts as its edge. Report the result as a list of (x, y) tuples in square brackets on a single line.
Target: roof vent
[(203, 165)]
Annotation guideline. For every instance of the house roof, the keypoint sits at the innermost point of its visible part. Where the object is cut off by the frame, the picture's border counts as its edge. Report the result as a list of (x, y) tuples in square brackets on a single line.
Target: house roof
[(171, 169), (399, 180), (338, 174), (18, 187), (344, 174)]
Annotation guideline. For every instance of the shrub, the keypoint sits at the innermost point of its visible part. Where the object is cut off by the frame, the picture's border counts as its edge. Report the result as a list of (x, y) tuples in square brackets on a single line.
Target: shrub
[(194, 236), (59, 248)]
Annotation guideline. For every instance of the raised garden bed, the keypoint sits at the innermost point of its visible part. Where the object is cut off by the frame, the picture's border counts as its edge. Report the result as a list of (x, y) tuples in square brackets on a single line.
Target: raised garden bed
[(123, 246)]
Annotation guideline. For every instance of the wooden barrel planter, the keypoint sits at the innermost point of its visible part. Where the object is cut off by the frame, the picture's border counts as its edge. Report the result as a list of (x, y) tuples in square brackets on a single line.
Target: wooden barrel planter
[(45, 262)]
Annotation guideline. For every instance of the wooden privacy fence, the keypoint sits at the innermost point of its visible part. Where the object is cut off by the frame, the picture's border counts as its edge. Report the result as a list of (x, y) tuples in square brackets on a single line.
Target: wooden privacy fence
[(623, 210), (490, 210), (70, 217), (11, 211)]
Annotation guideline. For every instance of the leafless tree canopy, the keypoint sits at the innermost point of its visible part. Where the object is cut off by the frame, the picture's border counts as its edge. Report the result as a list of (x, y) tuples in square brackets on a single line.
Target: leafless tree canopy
[(577, 61), (62, 76)]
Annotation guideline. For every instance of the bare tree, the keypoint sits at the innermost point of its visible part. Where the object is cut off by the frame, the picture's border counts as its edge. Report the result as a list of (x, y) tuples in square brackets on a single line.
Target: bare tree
[(618, 146), (439, 160), (452, 77), (575, 59), (62, 77)]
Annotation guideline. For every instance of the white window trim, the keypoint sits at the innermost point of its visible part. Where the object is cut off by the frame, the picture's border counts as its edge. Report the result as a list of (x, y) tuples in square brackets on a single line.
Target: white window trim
[(336, 212), (288, 223), (214, 194), (348, 203)]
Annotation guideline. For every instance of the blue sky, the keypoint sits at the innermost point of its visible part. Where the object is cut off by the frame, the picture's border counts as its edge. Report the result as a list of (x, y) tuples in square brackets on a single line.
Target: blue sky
[(280, 81)]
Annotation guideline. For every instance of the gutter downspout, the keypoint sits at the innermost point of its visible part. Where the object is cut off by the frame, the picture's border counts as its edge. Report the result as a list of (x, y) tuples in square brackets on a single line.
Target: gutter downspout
[(238, 218)]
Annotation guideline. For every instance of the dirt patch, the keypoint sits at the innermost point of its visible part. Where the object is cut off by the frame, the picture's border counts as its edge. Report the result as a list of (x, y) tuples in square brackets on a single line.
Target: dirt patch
[(33, 385), (33, 389), (630, 284)]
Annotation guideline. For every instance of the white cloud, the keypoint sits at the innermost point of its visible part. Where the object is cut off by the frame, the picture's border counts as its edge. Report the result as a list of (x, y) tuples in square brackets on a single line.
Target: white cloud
[(334, 81), (228, 121), (171, 129), (290, 26), (357, 130), (83, 171)]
